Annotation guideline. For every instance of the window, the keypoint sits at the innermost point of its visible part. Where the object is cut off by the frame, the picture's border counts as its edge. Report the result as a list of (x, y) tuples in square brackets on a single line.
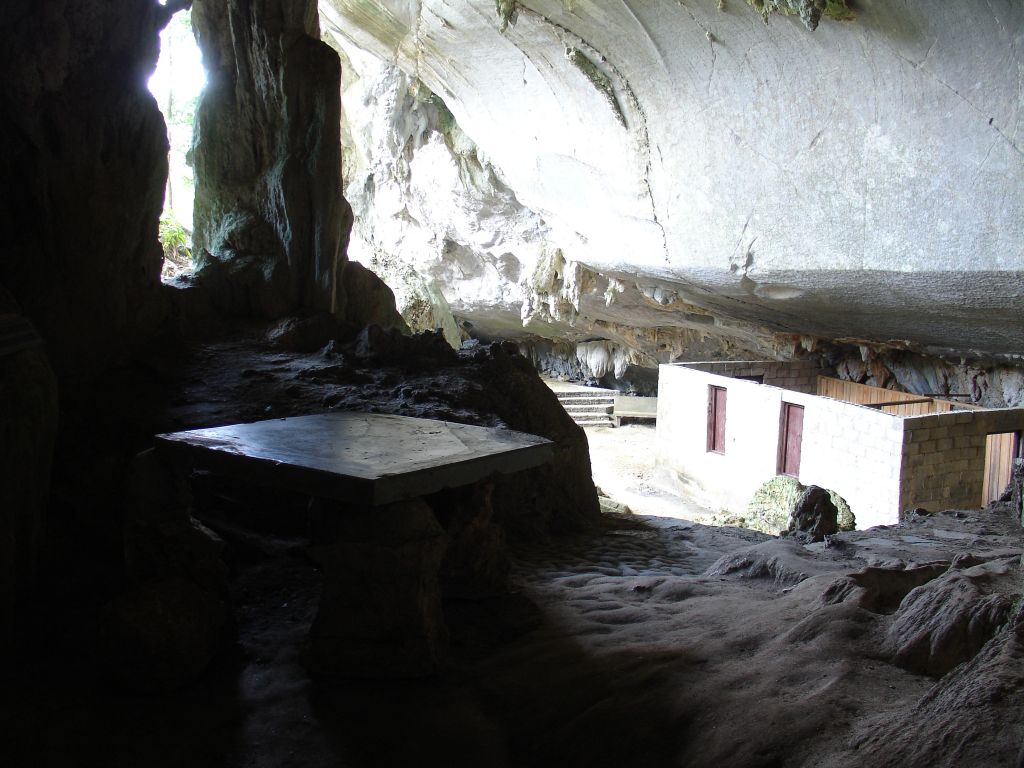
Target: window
[(716, 419), (791, 434)]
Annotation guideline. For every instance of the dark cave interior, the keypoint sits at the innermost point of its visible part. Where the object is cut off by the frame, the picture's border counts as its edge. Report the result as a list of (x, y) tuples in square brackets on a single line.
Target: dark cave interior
[(136, 631)]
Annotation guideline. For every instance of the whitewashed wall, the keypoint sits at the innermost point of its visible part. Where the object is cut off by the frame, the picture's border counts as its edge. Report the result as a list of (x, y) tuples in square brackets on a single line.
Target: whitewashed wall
[(853, 450)]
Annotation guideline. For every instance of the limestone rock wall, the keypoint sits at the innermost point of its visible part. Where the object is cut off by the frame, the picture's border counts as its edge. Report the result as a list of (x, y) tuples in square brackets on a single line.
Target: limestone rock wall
[(435, 217), (432, 214), (859, 182), (28, 427), (83, 161), (83, 158), (989, 384), (269, 214)]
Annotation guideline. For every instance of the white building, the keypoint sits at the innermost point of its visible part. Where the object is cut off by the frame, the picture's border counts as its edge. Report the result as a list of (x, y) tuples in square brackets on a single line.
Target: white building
[(724, 428)]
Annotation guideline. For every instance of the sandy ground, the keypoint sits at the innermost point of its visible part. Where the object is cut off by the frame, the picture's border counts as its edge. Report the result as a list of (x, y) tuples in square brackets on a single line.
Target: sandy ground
[(622, 462)]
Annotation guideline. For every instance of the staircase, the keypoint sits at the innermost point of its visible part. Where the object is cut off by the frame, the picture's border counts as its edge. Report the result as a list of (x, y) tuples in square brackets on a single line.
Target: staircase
[(588, 406)]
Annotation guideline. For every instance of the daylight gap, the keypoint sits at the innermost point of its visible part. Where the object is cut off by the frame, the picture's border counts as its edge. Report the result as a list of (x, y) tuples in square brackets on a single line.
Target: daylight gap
[(176, 85)]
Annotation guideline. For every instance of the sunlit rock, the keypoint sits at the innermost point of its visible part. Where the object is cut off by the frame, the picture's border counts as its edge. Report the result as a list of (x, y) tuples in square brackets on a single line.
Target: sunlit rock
[(859, 182)]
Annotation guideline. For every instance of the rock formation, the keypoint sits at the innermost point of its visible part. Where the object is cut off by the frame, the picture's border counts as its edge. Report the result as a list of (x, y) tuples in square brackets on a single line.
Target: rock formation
[(692, 184), (84, 152), (636, 181), (86, 142), (270, 217)]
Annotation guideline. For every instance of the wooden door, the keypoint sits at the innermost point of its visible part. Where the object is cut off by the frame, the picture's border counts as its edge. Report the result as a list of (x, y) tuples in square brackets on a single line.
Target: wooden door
[(791, 433), (1000, 451), (716, 419)]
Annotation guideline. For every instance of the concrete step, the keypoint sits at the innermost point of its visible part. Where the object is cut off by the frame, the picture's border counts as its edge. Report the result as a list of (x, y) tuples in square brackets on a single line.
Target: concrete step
[(595, 422), (580, 417), (567, 401), (589, 408), (601, 408)]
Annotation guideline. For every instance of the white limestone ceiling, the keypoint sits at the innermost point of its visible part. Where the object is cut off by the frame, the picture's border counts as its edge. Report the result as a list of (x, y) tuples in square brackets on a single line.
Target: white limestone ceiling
[(860, 181)]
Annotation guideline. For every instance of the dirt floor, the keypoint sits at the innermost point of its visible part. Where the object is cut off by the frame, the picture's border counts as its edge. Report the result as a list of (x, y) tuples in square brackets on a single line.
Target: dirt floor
[(654, 640), (622, 461)]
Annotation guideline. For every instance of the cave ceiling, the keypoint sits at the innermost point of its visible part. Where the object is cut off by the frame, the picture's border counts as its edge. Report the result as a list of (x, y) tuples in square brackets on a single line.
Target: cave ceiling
[(576, 169)]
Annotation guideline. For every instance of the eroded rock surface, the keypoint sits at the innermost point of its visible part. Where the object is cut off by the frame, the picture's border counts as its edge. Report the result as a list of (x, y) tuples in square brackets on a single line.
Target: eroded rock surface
[(947, 621), (643, 148), (964, 719), (270, 218), (82, 144)]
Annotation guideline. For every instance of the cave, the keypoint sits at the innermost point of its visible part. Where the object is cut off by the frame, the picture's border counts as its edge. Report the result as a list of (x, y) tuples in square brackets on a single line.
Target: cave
[(312, 504)]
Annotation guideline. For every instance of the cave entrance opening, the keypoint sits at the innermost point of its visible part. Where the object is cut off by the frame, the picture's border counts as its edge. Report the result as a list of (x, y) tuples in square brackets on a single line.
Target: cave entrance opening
[(176, 84)]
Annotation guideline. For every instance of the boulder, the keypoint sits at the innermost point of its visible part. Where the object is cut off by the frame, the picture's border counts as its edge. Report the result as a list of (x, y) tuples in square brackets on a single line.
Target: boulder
[(305, 334), (1017, 489), (813, 515), (782, 504), (369, 300), (560, 496)]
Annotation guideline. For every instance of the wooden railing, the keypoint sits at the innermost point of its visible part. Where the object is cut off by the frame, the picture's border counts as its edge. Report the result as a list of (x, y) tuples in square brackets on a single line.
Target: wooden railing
[(888, 400)]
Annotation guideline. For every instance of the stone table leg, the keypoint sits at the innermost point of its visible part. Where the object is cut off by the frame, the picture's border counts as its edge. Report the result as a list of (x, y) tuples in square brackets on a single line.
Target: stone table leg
[(380, 613), (476, 563)]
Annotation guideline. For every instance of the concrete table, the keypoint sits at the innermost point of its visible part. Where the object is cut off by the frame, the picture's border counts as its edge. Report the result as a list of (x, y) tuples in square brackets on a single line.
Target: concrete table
[(378, 542)]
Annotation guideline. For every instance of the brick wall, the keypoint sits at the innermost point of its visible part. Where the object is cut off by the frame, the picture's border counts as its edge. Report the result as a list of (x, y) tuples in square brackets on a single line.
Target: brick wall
[(944, 456), (794, 375)]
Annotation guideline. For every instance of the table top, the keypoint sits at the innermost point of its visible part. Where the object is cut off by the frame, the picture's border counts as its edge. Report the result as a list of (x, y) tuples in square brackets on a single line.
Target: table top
[(360, 458)]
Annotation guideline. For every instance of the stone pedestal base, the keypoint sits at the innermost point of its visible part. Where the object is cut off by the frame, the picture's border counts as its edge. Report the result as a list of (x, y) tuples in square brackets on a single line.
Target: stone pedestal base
[(380, 614), (476, 564)]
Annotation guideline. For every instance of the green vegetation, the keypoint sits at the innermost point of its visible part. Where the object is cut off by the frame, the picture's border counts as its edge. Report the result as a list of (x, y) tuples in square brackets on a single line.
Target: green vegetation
[(505, 9), (176, 84), (173, 236), (175, 241)]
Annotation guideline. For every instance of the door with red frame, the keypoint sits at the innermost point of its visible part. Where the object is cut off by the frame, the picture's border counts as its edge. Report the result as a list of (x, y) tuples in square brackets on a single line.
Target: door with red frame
[(791, 434)]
